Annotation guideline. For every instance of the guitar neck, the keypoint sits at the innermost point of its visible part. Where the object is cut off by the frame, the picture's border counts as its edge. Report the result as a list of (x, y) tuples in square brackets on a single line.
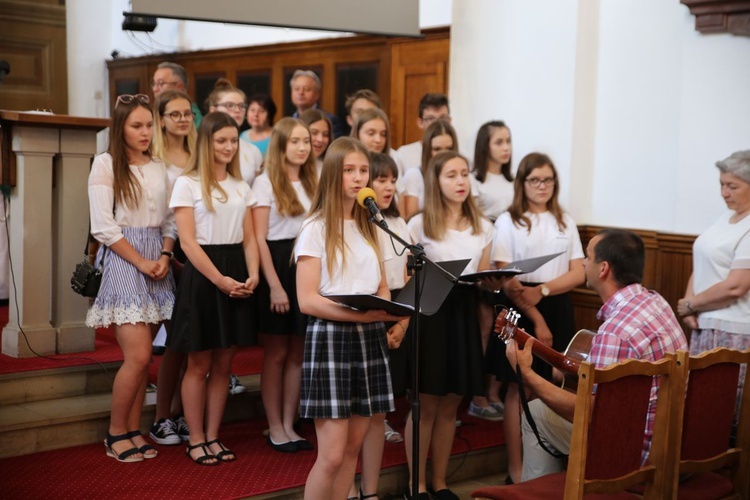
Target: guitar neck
[(563, 363)]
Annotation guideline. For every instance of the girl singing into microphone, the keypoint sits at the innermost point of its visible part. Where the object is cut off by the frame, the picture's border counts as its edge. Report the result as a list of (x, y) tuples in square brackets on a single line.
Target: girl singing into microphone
[(450, 363), (345, 377)]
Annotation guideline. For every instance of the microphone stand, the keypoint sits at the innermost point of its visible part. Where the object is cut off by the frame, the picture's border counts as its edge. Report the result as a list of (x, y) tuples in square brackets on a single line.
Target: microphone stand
[(415, 265)]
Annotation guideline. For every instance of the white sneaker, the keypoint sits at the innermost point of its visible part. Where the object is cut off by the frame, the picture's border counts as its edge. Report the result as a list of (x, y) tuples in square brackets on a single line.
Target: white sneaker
[(485, 412), (235, 386)]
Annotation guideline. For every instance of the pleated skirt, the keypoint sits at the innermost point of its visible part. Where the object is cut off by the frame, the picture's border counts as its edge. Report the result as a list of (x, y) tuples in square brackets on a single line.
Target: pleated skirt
[(345, 370)]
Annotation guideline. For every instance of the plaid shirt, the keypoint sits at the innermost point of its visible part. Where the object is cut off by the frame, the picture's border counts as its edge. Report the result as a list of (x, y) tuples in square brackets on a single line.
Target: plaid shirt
[(640, 324)]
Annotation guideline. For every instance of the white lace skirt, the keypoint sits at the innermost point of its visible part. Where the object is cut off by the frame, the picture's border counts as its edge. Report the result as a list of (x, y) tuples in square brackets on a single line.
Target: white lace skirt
[(126, 295)]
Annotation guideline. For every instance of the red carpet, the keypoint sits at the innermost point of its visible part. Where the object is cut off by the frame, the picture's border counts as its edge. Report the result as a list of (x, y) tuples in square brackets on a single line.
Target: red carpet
[(85, 472)]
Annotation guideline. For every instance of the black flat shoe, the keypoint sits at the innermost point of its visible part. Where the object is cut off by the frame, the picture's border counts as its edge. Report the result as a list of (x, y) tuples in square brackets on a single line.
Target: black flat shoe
[(126, 456), (146, 448), (203, 459), (288, 447), (303, 445)]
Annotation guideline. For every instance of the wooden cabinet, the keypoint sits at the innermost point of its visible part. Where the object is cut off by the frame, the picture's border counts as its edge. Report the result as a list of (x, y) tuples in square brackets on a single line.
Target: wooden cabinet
[(399, 69)]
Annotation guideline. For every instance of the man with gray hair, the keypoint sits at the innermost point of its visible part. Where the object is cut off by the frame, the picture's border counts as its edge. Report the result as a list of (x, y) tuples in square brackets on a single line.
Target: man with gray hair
[(169, 75), (305, 87)]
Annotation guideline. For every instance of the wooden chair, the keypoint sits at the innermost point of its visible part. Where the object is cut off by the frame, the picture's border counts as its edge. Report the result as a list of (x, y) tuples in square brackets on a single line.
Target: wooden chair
[(607, 440), (710, 468)]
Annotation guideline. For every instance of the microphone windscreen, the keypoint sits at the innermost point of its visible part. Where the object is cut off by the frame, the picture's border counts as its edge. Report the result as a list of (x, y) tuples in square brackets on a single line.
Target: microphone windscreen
[(365, 193)]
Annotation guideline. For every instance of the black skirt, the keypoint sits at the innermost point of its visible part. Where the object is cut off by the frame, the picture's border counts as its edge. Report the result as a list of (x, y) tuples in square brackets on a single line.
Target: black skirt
[(293, 322), (204, 316), (398, 359), (557, 312), (450, 347)]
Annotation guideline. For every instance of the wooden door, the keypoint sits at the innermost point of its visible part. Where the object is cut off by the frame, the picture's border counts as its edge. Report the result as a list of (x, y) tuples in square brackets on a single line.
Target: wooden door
[(417, 67), (32, 41)]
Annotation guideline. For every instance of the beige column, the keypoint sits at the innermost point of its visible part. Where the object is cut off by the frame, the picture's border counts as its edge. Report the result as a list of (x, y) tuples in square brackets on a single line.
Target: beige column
[(71, 216), (30, 224)]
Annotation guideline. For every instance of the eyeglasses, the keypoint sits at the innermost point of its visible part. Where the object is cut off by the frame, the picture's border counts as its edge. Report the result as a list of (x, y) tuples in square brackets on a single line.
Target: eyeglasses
[(429, 119), (162, 83), (231, 106), (176, 116), (536, 181), (128, 98)]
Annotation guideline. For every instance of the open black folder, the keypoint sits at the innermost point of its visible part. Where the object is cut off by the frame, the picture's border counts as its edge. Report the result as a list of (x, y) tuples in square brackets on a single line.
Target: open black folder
[(518, 267), (435, 288)]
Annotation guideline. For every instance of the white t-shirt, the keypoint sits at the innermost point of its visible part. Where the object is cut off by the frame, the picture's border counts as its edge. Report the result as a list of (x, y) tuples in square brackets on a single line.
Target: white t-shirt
[(721, 248), (455, 245), (515, 243), (407, 157), (280, 227), (361, 271), (173, 172), (393, 263), (151, 211), (251, 161), (414, 186), (494, 195), (223, 226)]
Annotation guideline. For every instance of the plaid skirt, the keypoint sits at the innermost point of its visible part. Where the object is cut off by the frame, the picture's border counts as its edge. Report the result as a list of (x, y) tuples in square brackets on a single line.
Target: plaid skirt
[(345, 370), (126, 295)]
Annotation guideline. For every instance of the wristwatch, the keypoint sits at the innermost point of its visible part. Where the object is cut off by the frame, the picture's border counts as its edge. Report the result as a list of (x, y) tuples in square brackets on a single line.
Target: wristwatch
[(544, 290)]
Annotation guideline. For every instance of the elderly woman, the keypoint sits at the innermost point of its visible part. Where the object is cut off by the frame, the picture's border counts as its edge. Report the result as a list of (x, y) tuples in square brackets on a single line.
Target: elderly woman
[(717, 300)]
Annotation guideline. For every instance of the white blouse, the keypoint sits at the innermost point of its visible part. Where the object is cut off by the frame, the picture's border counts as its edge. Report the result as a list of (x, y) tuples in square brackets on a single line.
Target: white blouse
[(494, 195), (152, 209)]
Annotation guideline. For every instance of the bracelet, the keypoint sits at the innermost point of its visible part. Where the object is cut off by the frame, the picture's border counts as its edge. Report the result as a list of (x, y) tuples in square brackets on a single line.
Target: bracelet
[(689, 307), (167, 253)]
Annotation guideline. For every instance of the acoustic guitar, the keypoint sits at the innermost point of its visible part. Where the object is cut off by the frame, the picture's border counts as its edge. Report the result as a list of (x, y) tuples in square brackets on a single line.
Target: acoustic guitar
[(568, 362)]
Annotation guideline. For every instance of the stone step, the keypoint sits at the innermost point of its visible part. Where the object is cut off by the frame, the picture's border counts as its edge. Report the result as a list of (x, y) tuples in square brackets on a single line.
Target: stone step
[(57, 383), (50, 424)]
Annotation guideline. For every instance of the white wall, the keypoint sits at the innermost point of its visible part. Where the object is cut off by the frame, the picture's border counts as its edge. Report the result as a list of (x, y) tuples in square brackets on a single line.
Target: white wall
[(91, 43), (633, 105)]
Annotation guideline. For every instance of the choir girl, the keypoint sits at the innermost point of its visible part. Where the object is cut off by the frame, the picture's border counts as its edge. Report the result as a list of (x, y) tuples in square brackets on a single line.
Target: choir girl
[(174, 141), (384, 174), (492, 187), (231, 100), (450, 227), (439, 136), (213, 314), (372, 128), (284, 192), (535, 225), (128, 196), (345, 375), (321, 132)]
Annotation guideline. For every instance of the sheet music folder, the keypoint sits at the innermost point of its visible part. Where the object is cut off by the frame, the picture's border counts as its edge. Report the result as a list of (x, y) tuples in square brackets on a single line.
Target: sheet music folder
[(366, 302), (435, 288), (524, 266)]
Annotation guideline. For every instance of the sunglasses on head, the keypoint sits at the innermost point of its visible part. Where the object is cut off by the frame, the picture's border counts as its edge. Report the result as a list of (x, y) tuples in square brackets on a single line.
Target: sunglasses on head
[(128, 99)]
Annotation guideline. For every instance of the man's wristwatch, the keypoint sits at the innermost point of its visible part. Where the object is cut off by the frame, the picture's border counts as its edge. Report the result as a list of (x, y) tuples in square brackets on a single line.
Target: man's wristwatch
[(544, 290)]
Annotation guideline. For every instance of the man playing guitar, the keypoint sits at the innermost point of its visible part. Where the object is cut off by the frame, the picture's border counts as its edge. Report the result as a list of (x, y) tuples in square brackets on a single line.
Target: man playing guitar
[(638, 323)]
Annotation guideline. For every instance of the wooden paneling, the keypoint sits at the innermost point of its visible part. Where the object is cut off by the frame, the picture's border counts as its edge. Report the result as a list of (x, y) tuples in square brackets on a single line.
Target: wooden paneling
[(669, 264), (721, 16), (32, 40), (380, 61), (418, 67)]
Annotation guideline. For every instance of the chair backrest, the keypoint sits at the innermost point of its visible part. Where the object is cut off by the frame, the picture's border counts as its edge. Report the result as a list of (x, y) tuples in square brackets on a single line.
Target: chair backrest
[(608, 429), (703, 428)]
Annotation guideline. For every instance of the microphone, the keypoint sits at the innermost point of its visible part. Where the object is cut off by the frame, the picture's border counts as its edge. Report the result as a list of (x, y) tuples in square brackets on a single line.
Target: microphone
[(367, 199)]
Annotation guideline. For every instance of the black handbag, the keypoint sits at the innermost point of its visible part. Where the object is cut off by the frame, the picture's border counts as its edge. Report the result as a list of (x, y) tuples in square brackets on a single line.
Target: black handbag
[(87, 278)]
